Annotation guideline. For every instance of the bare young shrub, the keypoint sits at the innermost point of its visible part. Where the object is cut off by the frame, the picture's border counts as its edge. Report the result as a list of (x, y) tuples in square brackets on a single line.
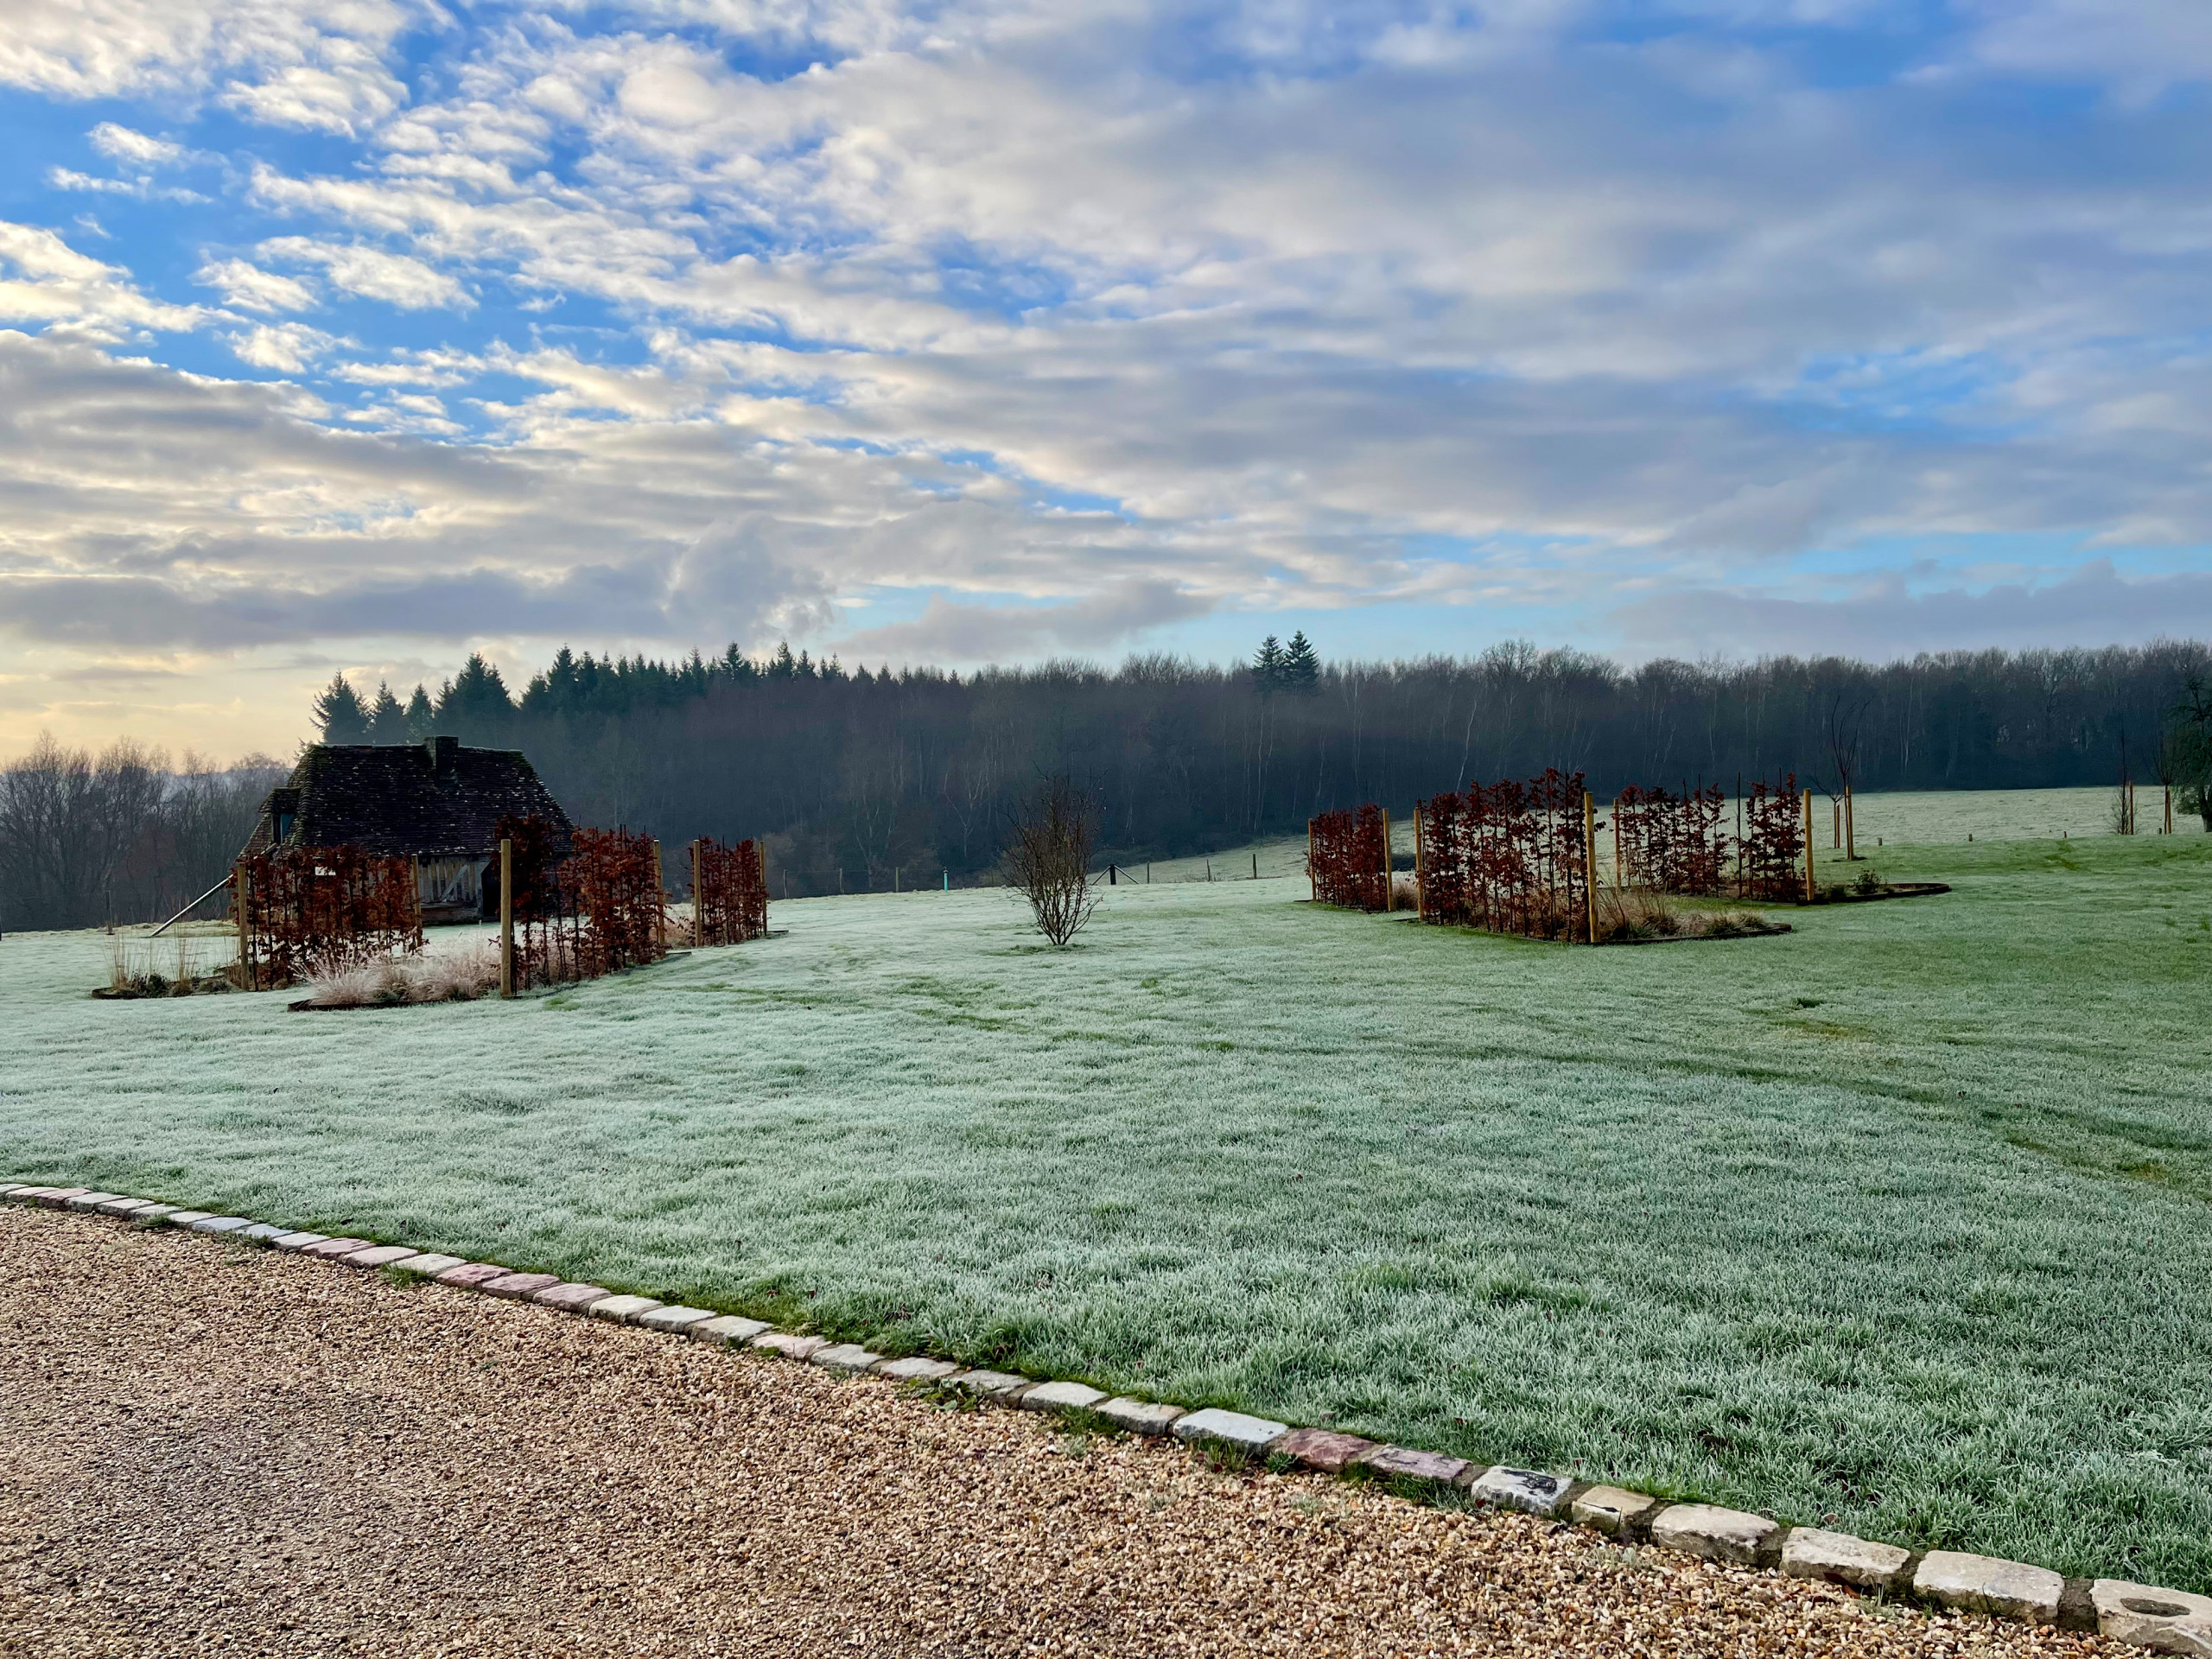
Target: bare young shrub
[(1048, 860)]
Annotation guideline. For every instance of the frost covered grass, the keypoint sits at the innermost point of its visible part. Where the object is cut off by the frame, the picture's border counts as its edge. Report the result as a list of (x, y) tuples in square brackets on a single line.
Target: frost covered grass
[(1897, 1221)]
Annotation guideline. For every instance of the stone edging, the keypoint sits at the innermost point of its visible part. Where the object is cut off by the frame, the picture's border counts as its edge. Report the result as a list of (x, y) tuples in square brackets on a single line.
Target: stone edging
[(2164, 1621)]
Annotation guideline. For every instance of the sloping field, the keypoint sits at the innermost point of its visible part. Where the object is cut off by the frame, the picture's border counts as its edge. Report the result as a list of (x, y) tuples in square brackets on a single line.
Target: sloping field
[(1900, 1221)]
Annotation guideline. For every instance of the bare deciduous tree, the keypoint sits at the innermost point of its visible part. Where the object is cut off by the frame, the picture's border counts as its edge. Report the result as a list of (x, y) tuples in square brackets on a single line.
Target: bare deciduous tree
[(1048, 860)]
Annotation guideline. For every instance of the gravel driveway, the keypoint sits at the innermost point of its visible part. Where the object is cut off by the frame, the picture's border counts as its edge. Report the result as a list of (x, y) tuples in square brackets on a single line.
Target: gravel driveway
[(216, 1449)]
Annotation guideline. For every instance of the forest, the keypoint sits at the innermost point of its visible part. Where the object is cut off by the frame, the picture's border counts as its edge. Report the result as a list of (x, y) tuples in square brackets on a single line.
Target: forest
[(858, 778)]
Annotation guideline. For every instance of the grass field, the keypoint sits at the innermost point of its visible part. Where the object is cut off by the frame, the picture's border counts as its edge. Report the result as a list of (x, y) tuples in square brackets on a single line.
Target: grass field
[(1898, 1222)]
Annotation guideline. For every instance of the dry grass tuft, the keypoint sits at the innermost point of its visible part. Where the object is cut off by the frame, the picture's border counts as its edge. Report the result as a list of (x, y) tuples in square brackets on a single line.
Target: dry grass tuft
[(392, 982)]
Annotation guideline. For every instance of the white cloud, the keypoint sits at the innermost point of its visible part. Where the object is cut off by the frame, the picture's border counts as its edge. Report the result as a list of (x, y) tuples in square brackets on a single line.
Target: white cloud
[(247, 285), (123, 144), (53, 283), (372, 274), (287, 347)]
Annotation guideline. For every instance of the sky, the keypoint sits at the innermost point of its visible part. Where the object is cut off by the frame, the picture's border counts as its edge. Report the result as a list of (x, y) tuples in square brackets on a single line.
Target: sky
[(355, 335)]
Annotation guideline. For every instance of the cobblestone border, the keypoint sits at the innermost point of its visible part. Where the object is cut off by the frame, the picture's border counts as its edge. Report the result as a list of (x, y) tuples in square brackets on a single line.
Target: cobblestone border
[(2164, 1621)]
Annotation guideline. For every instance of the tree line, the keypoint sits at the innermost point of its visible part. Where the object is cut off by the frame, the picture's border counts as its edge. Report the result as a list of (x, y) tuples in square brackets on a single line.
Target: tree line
[(857, 779)]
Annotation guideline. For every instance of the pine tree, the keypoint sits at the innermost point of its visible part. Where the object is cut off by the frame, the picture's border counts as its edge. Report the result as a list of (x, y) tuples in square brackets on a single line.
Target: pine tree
[(422, 719), (387, 720), (1267, 667), (474, 704), (1300, 668), (340, 713), (780, 666)]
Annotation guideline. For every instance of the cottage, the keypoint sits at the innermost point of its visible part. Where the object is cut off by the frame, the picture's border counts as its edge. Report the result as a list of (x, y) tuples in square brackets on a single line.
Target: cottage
[(436, 803)]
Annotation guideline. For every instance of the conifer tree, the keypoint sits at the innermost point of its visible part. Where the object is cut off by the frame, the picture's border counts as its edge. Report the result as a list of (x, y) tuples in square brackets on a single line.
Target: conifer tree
[(1266, 666), (340, 713), (422, 719), (387, 720), (1300, 668)]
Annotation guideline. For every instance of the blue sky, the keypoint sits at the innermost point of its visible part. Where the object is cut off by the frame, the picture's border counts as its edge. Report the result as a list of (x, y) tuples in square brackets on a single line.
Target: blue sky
[(359, 335)]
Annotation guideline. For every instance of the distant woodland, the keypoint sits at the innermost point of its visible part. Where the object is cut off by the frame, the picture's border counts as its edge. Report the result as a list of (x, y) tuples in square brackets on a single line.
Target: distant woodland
[(851, 775)]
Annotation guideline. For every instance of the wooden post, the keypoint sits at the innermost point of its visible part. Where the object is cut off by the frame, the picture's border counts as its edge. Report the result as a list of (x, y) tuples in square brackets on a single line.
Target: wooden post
[(1835, 824), (1421, 870), (1256, 867), (506, 916), (1313, 888), (2169, 830), (1590, 863), (660, 904), (1850, 829), (240, 885), (1617, 871), (1386, 861), (1806, 797)]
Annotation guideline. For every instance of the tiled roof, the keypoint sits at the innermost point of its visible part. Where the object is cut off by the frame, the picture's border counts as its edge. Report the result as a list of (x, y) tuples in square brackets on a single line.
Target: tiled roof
[(435, 799)]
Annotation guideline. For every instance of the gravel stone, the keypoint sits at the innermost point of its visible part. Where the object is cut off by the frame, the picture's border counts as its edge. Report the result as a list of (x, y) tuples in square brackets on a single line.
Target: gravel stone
[(1140, 1416), (571, 1298), (790, 1344), (845, 1356), (916, 1369), (1810, 1553), (297, 1241), (1406, 1463), (427, 1265), (1229, 1428), (1062, 1396), (327, 1463), (380, 1255), (1613, 1510), (475, 1274), (519, 1287), (623, 1310), (334, 1250), (677, 1320), (1521, 1489), (1983, 1583), (2164, 1621), (1002, 1386), (1324, 1449), (728, 1331), (220, 1224), (1718, 1535)]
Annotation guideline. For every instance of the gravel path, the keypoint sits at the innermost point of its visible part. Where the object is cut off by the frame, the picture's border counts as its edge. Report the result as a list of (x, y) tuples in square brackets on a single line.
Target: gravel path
[(214, 1449)]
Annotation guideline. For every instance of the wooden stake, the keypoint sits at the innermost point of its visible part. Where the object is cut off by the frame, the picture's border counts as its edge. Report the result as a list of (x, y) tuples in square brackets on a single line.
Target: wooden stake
[(2169, 830), (506, 916), (1835, 825), (1590, 863), (1386, 861), (1850, 829), (660, 904), (1313, 887), (1617, 881), (241, 885), (1420, 872), (1806, 797)]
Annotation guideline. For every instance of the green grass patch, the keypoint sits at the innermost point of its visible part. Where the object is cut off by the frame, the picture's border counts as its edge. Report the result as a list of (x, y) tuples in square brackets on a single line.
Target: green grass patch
[(1898, 1223)]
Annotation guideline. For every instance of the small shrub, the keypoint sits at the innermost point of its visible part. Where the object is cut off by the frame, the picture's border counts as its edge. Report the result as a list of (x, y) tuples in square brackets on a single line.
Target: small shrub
[(1048, 861), (1869, 882)]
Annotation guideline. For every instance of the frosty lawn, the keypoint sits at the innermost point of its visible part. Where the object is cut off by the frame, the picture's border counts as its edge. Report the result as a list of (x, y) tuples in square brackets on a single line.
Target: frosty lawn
[(1898, 1222)]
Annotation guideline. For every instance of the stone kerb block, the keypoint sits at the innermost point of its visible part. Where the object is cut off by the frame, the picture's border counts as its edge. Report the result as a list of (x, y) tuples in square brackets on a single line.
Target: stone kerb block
[(1614, 1510), (262, 1233), (428, 1265), (153, 1214), (623, 1310), (125, 1206), (1982, 1583), (1001, 1386), (1232, 1428), (380, 1255), (57, 1198), (331, 1249), (1810, 1553), (1062, 1396), (845, 1356), (915, 1368), (86, 1203), (218, 1224), (469, 1277), (730, 1331), (790, 1344), (1404, 1463), (186, 1217), (1324, 1449), (292, 1241), (1527, 1489), (2164, 1621), (1140, 1416), (677, 1319), (1718, 1535), (571, 1298), (519, 1287)]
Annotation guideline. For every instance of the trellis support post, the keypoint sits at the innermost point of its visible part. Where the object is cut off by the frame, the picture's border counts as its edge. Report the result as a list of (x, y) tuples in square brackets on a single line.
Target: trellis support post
[(240, 885), (506, 916), (1590, 863), (1386, 861), (1806, 798)]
